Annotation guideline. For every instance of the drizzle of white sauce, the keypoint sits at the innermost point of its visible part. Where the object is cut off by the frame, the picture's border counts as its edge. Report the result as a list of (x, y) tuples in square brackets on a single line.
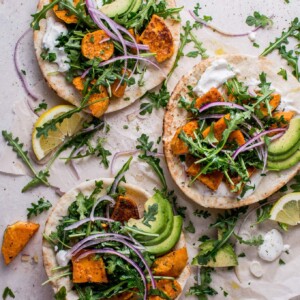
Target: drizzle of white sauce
[(53, 31), (99, 3), (62, 258), (256, 269), (272, 246), (214, 76), (291, 104), (252, 36)]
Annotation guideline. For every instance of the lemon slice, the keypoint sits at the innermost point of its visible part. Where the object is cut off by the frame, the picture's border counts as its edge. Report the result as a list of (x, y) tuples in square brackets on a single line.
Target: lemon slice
[(44, 145), (287, 209)]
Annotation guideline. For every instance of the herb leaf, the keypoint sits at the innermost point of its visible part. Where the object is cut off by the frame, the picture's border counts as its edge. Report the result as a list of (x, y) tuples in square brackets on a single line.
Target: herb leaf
[(38, 208), (150, 214), (190, 228), (7, 293), (61, 294), (254, 241), (283, 73), (258, 20)]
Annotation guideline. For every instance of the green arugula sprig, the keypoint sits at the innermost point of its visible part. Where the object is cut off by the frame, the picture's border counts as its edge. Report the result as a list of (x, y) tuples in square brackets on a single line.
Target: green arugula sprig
[(150, 215), (39, 207), (61, 294), (39, 177), (254, 241), (259, 20), (7, 293)]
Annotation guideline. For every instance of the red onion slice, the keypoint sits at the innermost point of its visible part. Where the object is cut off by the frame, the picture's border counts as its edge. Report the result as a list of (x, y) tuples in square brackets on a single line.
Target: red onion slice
[(128, 260), (199, 20), (118, 154), (18, 69), (116, 182), (122, 241), (243, 147), (104, 198), (213, 116), (81, 222)]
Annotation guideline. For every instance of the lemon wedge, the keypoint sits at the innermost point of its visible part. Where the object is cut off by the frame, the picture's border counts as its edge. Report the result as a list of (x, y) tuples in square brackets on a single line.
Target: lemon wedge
[(68, 127), (287, 209)]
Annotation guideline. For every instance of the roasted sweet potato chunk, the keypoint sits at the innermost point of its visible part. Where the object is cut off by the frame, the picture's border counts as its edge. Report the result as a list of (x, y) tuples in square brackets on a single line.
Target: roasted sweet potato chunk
[(159, 38), (119, 90), (219, 128), (65, 15), (237, 137), (125, 209), (237, 179), (285, 116), (88, 269), (274, 102), (170, 287), (211, 180), (16, 237), (177, 145), (171, 264), (95, 45), (100, 100), (213, 95)]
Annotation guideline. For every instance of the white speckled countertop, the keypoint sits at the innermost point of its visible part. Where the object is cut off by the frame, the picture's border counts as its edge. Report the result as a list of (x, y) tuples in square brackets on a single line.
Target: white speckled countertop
[(25, 278)]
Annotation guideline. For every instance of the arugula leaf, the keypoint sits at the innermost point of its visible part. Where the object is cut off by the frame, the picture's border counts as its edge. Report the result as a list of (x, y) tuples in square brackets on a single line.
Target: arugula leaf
[(199, 46), (254, 241), (37, 17), (283, 39), (202, 213), (156, 100), (190, 228), (40, 177), (291, 59), (39, 207), (281, 262), (42, 106), (203, 289), (159, 293), (7, 293), (283, 73), (296, 186), (263, 213), (61, 294), (82, 210), (259, 20), (150, 214)]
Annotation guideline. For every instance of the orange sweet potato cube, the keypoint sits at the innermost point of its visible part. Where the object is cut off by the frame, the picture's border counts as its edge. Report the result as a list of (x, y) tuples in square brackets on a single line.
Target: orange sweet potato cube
[(16, 237), (274, 102), (177, 145), (213, 95), (237, 136), (124, 209), (211, 180), (219, 128), (170, 287), (89, 269), (171, 264)]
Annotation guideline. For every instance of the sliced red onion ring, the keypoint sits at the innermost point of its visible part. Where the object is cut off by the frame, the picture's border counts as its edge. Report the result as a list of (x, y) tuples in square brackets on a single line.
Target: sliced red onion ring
[(75, 169), (103, 198), (199, 20), (256, 137), (81, 222), (128, 260), (213, 116), (124, 242), (114, 187), (136, 113), (105, 40), (155, 154), (18, 69)]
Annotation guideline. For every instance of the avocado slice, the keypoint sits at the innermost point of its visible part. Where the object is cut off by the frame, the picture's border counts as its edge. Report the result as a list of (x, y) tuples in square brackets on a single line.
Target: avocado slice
[(225, 257), (136, 6), (158, 221), (167, 231), (283, 156), (117, 7), (169, 242), (284, 164), (288, 142)]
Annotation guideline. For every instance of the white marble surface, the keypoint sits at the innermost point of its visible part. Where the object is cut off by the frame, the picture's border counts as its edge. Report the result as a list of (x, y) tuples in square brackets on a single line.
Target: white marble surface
[(25, 278)]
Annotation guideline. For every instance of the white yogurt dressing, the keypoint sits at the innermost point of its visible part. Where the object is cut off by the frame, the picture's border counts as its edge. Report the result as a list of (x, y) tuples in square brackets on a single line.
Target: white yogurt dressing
[(53, 31), (62, 258), (291, 104), (99, 3), (252, 36), (256, 269), (214, 76), (272, 246)]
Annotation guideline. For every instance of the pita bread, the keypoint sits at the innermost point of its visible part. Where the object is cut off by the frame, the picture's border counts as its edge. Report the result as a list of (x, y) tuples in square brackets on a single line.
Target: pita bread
[(249, 67), (68, 92), (61, 209)]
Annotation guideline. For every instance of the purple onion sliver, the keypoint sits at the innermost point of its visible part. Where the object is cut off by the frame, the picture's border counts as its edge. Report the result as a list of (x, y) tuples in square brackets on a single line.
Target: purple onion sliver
[(18, 69), (213, 116), (199, 20), (275, 137), (105, 40), (83, 75), (103, 198), (116, 183), (155, 154), (227, 104), (117, 154), (128, 260), (81, 222), (75, 169), (256, 137)]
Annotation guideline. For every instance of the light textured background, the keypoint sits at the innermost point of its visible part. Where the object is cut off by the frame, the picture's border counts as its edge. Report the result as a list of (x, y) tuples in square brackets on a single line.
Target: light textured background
[(25, 278)]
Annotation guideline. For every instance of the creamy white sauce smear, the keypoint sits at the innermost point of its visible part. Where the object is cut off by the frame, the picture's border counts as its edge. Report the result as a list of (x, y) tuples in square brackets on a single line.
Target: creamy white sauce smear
[(62, 258), (256, 269), (252, 36), (214, 76), (53, 31), (272, 246)]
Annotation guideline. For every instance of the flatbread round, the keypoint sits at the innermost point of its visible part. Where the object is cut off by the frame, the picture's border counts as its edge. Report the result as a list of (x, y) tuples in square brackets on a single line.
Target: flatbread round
[(249, 67), (60, 210), (68, 92)]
